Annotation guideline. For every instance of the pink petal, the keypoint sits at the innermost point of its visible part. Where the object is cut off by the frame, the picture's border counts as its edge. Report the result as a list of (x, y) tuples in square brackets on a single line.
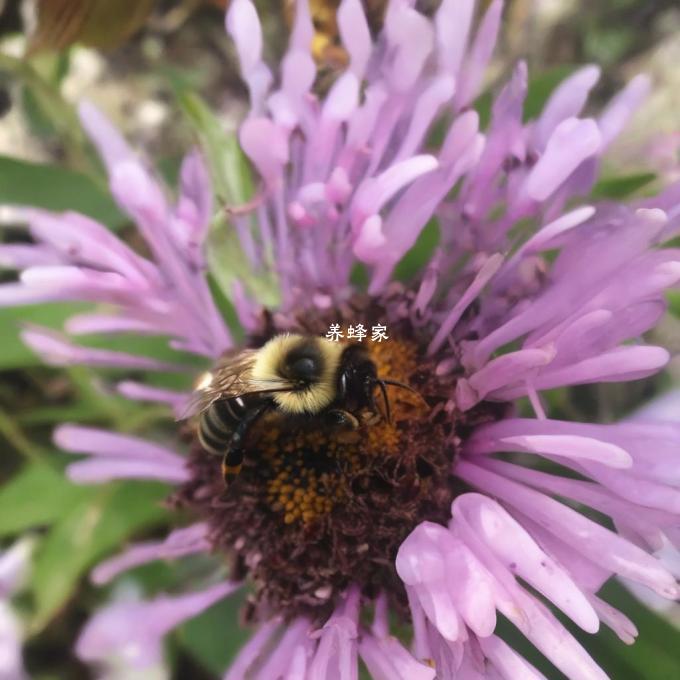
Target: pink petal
[(592, 540), (15, 256), (508, 662), (140, 195), (13, 294), (436, 94), (252, 650), (453, 21), (569, 446), (243, 24), (411, 38), (342, 99), (111, 146), (507, 368), (544, 237), (266, 145), (617, 114), (57, 351), (355, 34), (86, 324), (386, 659), (374, 193), (572, 142), (565, 102), (447, 580), (134, 630), (483, 276), (142, 392), (370, 242), (279, 661), (177, 544), (533, 619), (195, 206), (522, 556), (336, 654), (616, 365), (100, 471), (616, 620), (303, 28), (81, 240), (478, 57), (79, 439), (14, 567), (662, 408)]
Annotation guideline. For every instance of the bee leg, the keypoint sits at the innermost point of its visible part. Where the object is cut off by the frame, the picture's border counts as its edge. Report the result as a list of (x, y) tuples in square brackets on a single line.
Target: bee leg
[(231, 465), (233, 457), (342, 419)]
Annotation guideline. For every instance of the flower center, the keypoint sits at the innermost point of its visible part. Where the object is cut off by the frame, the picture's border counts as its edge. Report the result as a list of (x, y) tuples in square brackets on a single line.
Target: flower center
[(310, 468), (316, 509)]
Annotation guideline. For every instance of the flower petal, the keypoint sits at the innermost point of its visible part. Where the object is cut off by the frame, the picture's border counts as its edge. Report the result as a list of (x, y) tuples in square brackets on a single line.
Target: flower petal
[(181, 542), (134, 630), (572, 142)]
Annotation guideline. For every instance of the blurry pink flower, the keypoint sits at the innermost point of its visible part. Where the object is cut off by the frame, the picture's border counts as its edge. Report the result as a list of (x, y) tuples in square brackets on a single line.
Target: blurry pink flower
[(13, 569), (663, 154), (460, 527)]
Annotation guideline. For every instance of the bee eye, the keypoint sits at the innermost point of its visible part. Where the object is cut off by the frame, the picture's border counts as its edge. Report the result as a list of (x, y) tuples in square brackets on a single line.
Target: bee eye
[(304, 368), (343, 385)]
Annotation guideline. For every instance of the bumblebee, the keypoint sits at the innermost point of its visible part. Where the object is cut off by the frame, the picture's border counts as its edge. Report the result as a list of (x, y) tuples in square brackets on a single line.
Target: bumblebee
[(297, 376)]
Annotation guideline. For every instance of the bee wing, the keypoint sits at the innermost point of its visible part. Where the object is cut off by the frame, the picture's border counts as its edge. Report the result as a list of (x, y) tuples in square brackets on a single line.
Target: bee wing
[(229, 378)]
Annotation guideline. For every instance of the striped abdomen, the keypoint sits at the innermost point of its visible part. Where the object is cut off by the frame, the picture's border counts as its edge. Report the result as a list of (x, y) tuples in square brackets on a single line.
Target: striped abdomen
[(218, 422)]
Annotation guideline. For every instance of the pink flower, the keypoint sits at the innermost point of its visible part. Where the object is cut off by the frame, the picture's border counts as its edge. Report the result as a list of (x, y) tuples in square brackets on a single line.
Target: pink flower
[(454, 520), (13, 569)]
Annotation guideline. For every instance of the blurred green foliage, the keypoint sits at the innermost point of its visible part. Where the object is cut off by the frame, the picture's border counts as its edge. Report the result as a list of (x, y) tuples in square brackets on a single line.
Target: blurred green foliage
[(55, 187)]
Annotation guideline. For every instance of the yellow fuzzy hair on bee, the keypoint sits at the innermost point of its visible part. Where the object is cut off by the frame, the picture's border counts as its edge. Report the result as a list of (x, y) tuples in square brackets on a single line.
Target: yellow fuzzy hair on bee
[(271, 358)]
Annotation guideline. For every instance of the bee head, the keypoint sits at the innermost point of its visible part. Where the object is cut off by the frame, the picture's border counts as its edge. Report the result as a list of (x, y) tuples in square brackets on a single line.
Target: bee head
[(357, 379), (357, 382)]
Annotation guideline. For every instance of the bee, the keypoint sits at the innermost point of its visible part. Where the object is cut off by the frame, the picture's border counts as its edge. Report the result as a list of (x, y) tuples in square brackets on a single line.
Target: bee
[(297, 376)]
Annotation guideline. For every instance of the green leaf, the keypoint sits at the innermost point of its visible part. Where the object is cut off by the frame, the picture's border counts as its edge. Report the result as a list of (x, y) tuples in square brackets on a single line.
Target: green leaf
[(622, 187), (39, 494), (229, 167), (56, 188), (360, 276), (482, 105), (673, 297), (226, 309), (228, 264), (215, 637), (232, 177), (89, 530)]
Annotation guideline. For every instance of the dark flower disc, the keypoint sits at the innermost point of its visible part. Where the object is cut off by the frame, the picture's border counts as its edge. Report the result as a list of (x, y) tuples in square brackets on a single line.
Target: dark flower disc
[(314, 510)]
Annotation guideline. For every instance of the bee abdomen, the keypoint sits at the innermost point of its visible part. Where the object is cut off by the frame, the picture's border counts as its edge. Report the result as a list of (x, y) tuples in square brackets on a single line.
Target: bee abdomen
[(216, 426)]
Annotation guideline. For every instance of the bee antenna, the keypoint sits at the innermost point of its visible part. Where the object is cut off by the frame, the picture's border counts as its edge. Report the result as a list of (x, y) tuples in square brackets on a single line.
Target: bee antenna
[(383, 389), (396, 383)]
